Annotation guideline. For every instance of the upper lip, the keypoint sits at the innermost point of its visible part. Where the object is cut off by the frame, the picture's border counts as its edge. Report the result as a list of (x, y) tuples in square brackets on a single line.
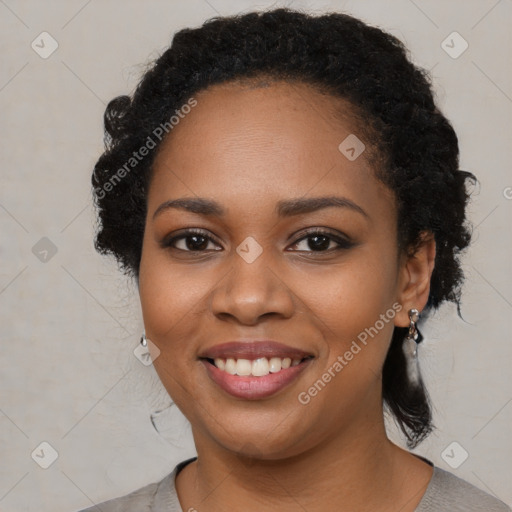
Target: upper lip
[(253, 350)]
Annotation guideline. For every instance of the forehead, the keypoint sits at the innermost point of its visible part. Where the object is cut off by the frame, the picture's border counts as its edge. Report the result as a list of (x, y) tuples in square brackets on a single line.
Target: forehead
[(266, 111), (262, 139)]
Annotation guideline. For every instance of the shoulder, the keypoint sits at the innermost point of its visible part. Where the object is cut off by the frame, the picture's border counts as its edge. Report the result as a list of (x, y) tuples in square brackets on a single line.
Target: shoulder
[(138, 500), (154, 497), (447, 492)]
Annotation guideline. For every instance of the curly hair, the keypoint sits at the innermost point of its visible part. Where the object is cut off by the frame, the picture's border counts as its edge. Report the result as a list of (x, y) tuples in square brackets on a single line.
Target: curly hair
[(417, 146)]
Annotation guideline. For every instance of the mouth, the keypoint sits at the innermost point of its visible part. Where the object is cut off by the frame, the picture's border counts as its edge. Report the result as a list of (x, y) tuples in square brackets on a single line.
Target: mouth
[(259, 367), (254, 387), (254, 370)]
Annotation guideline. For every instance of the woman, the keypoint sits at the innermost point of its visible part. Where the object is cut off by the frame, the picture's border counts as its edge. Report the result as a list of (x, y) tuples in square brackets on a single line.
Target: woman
[(287, 196)]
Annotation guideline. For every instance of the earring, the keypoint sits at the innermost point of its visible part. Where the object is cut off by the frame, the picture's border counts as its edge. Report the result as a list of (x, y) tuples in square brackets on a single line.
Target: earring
[(410, 347), (143, 340)]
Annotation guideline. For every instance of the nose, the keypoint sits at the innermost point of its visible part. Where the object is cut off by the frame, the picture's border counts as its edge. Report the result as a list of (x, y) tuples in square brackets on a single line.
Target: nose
[(250, 291)]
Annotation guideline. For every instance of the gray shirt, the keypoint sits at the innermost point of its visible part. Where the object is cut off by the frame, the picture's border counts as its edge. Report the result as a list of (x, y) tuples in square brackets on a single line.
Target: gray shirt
[(445, 493)]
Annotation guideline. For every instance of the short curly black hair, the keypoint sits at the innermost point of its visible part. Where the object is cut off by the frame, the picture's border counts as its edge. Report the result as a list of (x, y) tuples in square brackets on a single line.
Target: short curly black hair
[(334, 52)]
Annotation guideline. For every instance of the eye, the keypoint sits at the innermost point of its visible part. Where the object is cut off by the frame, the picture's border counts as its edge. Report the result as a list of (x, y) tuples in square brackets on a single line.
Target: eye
[(319, 240), (192, 240), (316, 240)]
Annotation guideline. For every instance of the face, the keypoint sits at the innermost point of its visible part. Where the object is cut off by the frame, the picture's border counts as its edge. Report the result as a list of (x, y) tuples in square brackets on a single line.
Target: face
[(268, 259)]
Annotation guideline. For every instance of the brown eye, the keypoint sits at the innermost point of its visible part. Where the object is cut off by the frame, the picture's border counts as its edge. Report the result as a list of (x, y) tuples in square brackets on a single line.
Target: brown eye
[(322, 241), (190, 241)]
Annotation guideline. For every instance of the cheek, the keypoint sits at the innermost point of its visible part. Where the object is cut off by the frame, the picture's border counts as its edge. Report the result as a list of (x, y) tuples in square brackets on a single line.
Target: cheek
[(356, 304), (170, 296), (170, 299), (354, 309)]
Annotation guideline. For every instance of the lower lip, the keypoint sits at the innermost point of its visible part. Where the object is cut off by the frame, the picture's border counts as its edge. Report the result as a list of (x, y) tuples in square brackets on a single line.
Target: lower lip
[(254, 388)]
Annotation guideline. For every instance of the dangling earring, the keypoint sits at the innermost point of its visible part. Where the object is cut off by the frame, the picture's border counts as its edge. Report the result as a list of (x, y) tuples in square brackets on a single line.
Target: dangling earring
[(410, 347), (143, 339)]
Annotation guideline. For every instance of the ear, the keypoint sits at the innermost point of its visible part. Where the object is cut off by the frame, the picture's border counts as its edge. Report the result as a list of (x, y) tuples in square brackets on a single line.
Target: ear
[(414, 278)]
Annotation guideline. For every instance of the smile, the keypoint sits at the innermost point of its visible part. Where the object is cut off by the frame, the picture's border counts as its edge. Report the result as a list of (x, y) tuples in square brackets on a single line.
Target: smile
[(255, 368), (258, 379)]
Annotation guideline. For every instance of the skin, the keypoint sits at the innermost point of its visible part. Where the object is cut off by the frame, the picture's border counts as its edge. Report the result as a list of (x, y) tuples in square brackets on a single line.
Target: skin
[(248, 147)]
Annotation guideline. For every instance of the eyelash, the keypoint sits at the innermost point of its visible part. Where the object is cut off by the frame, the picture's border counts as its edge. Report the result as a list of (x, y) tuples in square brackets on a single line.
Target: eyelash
[(343, 243)]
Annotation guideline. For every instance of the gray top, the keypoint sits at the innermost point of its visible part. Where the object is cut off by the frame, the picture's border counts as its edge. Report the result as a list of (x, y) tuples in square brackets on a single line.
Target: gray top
[(445, 493)]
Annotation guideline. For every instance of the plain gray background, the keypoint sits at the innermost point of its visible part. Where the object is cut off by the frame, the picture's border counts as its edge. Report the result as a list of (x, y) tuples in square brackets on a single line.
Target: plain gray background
[(70, 321)]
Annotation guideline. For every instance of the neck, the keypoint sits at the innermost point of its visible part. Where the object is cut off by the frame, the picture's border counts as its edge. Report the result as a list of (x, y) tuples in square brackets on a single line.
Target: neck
[(358, 469)]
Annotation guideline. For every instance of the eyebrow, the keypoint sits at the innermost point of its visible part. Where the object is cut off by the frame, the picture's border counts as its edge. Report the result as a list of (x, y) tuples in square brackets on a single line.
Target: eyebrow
[(284, 208)]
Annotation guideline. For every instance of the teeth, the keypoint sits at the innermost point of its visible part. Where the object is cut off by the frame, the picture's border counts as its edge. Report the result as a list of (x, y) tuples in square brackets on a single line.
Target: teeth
[(230, 366), (275, 365), (260, 367), (256, 368), (243, 367)]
